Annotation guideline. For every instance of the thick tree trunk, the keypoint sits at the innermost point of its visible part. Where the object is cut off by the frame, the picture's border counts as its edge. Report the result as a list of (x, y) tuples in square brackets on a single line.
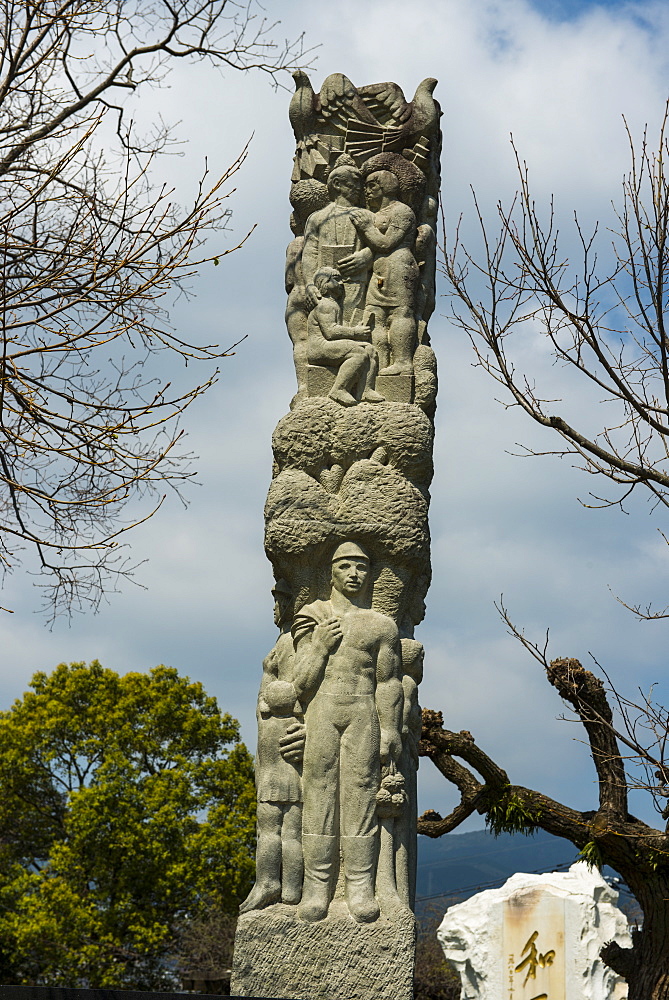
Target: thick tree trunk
[(646, 965), (639, 852)]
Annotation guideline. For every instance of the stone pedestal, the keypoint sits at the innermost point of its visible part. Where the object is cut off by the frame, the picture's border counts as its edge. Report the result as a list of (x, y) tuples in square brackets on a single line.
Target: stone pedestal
[(394, 388), (279, 956), (319, 380)]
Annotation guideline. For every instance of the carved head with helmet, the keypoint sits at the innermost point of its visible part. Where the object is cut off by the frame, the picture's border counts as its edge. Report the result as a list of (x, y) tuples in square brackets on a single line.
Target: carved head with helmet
[(350, 569)]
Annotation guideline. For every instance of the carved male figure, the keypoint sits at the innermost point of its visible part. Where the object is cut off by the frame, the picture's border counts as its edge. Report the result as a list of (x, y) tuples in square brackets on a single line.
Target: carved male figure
[(348, 668), (279, 791), (331, 239), (334, 345), (389, 229)]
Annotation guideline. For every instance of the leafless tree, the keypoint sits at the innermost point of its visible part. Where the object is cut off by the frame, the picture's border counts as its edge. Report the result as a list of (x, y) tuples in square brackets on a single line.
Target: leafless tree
[(603, 316), (607, 324), (90, 249)]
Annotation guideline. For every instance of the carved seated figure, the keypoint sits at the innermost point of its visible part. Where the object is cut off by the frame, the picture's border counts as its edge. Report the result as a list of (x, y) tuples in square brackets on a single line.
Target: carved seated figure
[(333, 345)]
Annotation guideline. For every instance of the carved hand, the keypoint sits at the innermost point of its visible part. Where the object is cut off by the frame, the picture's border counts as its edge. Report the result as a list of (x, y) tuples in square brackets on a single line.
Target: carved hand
[(391, 745), (361, 219), (362, 332), (353, 263), (291, 746), (327, 635), (313, 296)]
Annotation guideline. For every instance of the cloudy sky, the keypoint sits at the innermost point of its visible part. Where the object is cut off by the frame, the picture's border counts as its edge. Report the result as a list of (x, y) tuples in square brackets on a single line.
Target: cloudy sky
[(559, 75)]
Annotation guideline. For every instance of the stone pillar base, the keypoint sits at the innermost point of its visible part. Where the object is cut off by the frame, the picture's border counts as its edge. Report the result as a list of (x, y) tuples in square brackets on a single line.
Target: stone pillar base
[(279, 956)]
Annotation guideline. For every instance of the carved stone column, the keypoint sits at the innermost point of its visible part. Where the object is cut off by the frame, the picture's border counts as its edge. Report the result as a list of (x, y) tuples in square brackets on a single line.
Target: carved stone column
[(330, 915)]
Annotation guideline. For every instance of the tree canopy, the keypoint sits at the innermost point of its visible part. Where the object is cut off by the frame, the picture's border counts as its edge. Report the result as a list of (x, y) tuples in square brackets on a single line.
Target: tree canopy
[(127, 805)]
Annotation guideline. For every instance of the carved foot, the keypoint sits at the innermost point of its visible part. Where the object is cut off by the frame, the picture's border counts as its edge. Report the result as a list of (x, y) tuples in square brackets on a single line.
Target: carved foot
[(363, 909), (291, 894), (391, 902), (370, 396), (314, 906), (319, 853), (343, 397), (262, 894), (359, 868), (398, 369)]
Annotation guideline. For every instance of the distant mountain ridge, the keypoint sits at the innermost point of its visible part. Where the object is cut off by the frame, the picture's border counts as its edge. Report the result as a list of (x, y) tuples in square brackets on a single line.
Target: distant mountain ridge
[(458, 865), (461, 864)]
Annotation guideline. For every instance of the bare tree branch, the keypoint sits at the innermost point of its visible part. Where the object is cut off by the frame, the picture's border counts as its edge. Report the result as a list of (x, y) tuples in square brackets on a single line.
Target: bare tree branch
[(609, 327), (90, 252)]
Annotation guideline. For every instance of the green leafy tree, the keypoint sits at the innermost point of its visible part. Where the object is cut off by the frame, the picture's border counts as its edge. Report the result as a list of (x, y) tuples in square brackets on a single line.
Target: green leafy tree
[(126, 804)]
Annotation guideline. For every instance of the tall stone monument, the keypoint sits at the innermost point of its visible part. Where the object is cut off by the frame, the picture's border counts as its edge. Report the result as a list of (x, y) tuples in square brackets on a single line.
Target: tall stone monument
[(330, 916)]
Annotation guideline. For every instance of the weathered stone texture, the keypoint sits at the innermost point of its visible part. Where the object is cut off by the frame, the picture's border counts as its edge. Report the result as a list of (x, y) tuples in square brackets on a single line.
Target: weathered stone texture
[(334, 959), (361, 472)]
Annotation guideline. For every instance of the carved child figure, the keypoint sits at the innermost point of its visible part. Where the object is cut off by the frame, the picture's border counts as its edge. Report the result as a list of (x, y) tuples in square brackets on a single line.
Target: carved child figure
[(278, 763), (331, 344)]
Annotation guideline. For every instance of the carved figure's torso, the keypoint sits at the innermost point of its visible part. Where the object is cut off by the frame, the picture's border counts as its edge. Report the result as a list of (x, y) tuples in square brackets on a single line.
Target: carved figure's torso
[(330, 236), (277, 780), (395, 271), (351, 667)]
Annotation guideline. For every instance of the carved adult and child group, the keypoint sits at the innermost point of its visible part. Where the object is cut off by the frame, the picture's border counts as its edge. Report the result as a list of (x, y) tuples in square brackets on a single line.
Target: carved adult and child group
[(360, 280), (336, 719)]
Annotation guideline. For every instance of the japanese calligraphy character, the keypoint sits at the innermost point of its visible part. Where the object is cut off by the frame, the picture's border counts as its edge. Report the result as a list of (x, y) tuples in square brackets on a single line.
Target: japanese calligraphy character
[(534, 960)]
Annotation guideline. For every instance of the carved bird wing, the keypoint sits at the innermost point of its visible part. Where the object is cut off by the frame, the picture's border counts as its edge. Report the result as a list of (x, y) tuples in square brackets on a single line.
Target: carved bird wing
[(387, 103), (339, 99)]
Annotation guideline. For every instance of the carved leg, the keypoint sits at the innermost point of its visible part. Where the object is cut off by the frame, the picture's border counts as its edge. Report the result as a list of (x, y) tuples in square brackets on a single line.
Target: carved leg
[(359, 870), (402, 336), (292, 867), (267, 889), (369, 393), (347, 376), (386, 875), (319, 855), (379, 336)]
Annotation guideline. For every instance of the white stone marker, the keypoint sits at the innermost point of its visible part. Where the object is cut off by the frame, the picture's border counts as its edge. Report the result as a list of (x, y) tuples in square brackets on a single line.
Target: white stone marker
[(538, 937)]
